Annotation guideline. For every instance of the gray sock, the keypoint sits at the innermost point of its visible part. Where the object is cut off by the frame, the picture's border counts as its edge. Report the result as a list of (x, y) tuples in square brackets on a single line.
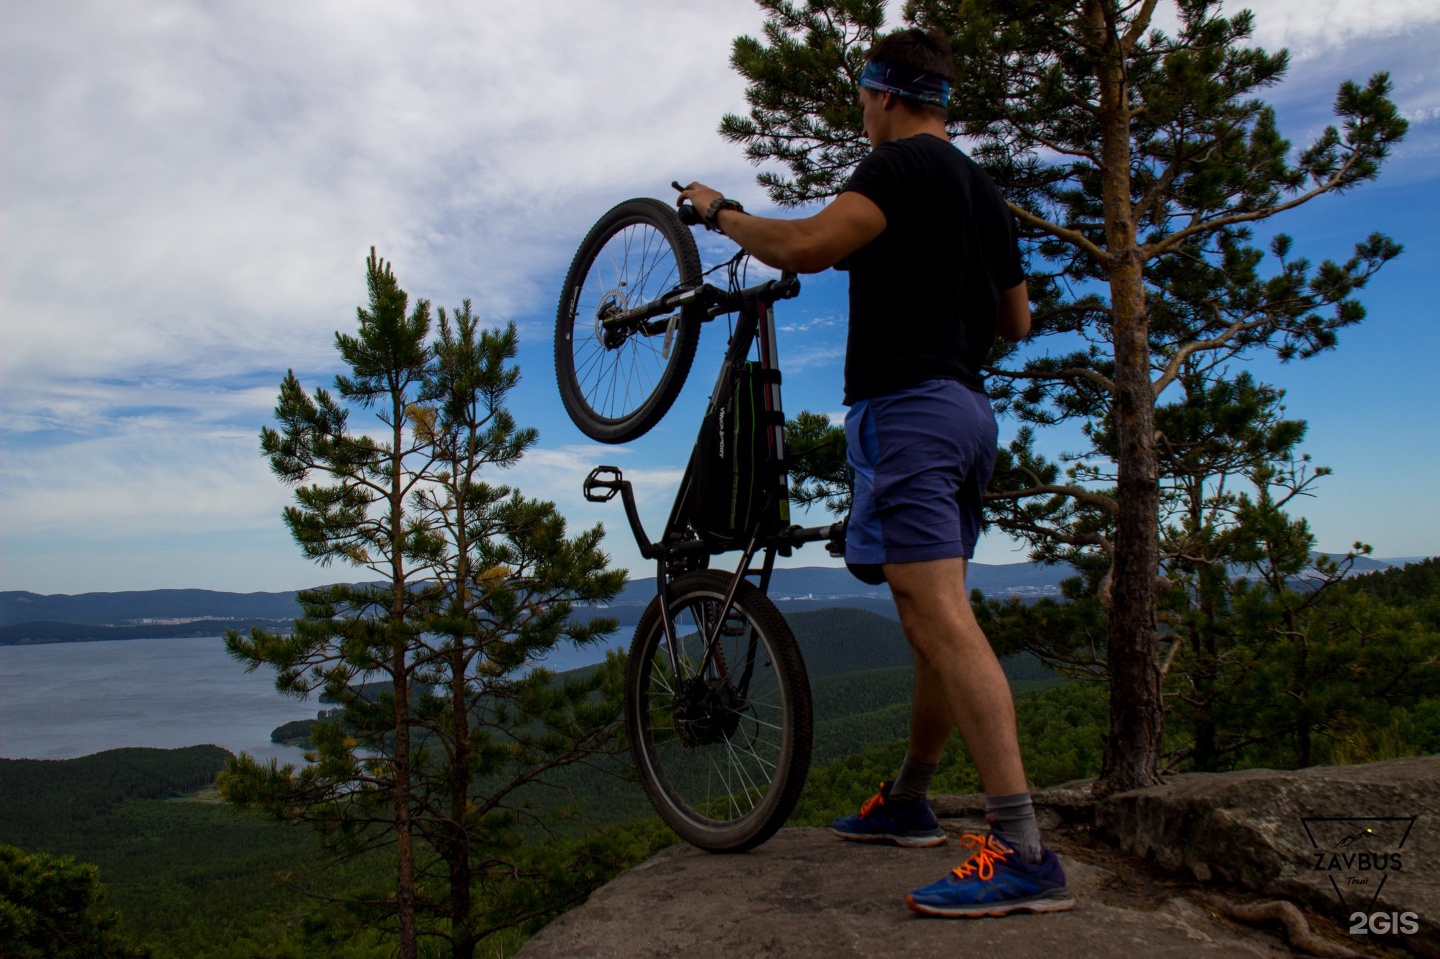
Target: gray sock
[(1012, 819), (914, 780)]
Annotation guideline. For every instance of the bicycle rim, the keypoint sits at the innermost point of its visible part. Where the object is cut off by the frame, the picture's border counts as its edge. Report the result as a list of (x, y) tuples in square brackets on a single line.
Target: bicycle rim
[(617, 389), (723, 768)]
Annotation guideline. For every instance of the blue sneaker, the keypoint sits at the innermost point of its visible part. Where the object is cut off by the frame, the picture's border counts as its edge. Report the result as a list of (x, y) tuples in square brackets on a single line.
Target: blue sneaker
[(880, 819), (995, 881)]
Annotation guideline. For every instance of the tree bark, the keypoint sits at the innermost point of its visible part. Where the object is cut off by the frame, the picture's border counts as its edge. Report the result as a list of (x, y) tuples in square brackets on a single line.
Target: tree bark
[(1303, 724), (462, 935), (404, 829), (462, 922), (400, 679), (1132, 752)]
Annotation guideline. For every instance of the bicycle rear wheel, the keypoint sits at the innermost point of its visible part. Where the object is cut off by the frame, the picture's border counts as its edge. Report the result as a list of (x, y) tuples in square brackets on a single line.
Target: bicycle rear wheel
[(617, 384), (723, 753)]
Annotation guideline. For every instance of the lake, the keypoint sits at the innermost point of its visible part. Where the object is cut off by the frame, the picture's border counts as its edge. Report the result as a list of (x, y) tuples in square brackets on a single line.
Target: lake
[(62, 700)]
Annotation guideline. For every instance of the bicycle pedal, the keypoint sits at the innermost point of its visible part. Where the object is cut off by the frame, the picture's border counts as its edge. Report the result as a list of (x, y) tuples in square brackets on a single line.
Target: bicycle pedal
[(603, 483)]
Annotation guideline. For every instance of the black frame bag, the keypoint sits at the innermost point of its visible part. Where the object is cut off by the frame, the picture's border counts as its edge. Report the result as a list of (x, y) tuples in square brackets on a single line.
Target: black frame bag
[(733, 452)]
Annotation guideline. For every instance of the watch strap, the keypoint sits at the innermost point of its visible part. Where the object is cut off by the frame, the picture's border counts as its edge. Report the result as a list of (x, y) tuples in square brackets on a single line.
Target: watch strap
[(713, 211)]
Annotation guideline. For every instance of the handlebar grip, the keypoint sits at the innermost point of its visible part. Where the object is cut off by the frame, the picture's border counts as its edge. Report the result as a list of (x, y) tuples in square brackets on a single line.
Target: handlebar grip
[(688, 214)]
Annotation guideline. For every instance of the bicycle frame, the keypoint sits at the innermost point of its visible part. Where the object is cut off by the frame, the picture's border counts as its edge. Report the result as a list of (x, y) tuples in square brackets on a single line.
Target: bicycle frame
[(679, 549)]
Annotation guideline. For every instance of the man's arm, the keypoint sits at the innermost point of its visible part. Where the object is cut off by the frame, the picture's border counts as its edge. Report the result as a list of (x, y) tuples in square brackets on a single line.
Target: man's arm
[(1013, 323), (807, 245)]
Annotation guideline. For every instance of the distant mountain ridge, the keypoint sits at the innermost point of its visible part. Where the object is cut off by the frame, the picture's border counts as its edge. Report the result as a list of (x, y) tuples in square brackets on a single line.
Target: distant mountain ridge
[(806, 584), (135, 607), (191, 612)]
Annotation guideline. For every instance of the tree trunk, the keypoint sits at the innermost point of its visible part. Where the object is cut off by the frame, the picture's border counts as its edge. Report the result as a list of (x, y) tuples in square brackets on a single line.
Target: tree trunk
[(462, 934), (404, 829), (457, 857), (1207, 665), (1132, 752), (1303, 724), (1204, 758), (400, 679)]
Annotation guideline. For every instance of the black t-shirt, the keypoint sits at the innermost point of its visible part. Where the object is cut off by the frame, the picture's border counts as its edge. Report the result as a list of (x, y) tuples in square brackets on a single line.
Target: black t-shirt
[(925, 293)]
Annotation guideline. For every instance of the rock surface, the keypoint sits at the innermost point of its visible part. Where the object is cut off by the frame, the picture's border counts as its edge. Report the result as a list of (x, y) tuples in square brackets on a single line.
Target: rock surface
[(805, 893), (1341, 840), (1146, 868)]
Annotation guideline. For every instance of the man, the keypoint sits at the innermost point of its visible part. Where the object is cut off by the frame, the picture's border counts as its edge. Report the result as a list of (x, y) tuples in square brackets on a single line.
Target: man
[(935, 275)]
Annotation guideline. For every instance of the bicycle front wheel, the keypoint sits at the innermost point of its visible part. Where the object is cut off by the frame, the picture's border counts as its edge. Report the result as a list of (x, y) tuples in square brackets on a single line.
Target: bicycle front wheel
[(617, 383), (723, 747)]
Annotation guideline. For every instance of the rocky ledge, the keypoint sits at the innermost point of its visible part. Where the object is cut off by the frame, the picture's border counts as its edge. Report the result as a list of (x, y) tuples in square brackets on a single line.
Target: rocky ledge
[(1205, 865)]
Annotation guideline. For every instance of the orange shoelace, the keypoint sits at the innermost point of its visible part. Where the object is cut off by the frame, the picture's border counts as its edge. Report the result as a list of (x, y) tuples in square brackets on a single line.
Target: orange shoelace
[(988, 851), (876, 800)]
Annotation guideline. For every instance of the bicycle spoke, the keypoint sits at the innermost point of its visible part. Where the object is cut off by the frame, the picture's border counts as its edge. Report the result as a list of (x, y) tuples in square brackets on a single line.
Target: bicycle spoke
[(739, 767), (616, 381), (723, 772)]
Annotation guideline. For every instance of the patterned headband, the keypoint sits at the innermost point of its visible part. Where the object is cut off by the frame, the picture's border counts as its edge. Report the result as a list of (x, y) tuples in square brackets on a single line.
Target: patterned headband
[(906, 82)]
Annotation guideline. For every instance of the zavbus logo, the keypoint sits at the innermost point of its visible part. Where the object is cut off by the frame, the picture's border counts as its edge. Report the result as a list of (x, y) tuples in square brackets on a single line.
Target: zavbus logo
[(1358, 854)]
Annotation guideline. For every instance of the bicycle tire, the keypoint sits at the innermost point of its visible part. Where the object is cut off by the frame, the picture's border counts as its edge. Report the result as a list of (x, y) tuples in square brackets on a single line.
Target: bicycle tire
[(615, 392), (724, 779)]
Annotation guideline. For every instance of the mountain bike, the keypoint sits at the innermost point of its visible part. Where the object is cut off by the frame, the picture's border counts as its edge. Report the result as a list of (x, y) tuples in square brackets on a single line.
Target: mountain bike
[(717, 702)]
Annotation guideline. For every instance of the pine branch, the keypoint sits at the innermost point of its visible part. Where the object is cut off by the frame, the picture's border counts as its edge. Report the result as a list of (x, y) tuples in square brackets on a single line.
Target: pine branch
[(1073, 237)]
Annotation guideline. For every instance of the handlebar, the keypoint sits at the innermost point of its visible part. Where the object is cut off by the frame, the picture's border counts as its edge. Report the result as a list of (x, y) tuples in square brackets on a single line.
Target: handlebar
[(713, 300), (689, 215)]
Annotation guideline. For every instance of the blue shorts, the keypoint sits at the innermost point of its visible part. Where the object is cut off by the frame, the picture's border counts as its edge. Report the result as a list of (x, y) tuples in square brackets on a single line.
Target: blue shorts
[(921, 459)]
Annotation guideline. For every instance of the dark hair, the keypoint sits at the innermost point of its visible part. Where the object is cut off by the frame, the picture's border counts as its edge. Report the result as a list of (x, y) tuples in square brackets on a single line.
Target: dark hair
[(926, 50)]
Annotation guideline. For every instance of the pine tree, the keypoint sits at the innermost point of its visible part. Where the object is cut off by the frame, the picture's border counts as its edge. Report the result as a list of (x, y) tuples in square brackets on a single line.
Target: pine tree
[(52, 907), (1261, 639), (444, 721), (1135, 162)]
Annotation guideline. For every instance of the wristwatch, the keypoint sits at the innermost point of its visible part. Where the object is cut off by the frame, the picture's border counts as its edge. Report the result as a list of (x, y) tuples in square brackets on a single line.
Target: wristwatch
[(713, 211)]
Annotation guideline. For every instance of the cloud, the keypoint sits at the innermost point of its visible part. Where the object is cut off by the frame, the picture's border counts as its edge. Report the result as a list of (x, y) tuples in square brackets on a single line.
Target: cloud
[(191, 190), (1309, 28), (196, 186), (556, 474), (198, 183), (823, 322), (812, 357), (147, 474)]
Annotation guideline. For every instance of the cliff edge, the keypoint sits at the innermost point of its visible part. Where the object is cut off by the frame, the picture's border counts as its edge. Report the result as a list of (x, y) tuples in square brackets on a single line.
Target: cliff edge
[(1162, 872)]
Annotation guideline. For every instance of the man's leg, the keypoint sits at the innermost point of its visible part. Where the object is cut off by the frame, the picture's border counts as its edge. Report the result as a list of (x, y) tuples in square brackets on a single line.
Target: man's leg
[(901, 813), (930, 716), (930, 725), (1008, 871), (963, 671)]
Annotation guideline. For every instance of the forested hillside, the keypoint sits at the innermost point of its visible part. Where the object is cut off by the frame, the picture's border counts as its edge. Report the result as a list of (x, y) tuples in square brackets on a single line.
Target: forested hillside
[(1414, 585), (194, 880)]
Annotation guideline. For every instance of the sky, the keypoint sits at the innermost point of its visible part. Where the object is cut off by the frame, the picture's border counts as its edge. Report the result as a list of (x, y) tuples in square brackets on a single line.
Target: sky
[(190, 191)]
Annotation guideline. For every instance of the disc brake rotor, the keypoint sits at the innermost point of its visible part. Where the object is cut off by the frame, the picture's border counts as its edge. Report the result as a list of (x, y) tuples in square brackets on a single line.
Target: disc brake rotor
[(612, 304), (707, 711)]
